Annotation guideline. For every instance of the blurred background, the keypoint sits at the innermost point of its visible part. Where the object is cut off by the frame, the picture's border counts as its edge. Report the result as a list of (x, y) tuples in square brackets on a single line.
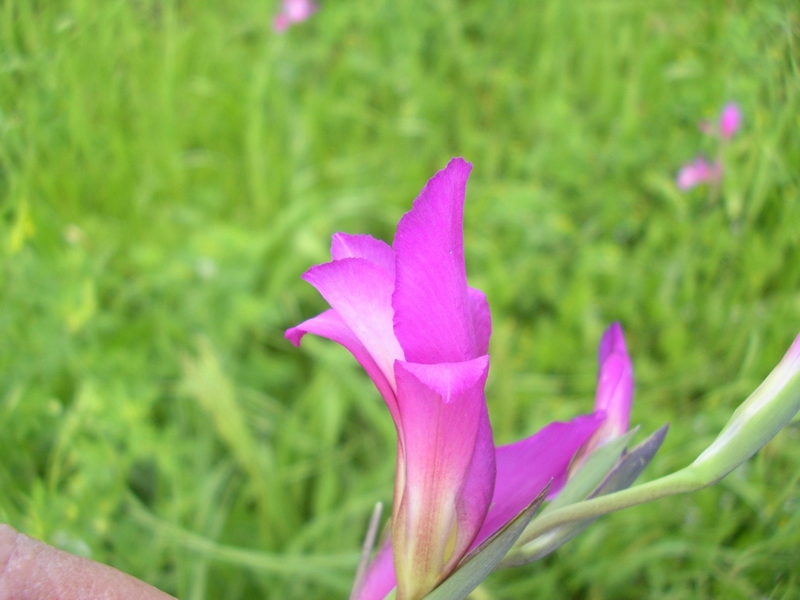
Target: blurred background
[(169, 168)]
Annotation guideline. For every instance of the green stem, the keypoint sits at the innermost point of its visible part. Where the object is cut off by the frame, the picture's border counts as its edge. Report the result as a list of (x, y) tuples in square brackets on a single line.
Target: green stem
[(681, 482)]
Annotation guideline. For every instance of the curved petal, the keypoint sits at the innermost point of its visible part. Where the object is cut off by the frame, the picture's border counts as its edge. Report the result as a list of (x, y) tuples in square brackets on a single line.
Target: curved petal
[(476, 495), (449, 469), (481, 320), (525, 467), (379, 578), (432, 309), (612, 342), (330, 325), (360, 292), (344, 245), (614, 385), (614, 393)]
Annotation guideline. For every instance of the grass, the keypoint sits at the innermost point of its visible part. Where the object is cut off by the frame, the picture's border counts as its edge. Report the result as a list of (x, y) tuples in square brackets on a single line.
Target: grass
[(168, 169)]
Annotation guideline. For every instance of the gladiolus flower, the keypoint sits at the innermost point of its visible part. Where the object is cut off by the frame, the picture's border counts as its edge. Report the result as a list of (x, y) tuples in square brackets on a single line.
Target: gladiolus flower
[(293, 11), (406, 314)]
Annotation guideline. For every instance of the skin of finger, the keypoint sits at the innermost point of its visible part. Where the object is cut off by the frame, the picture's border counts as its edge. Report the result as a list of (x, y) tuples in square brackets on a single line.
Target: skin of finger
[(32, 570)]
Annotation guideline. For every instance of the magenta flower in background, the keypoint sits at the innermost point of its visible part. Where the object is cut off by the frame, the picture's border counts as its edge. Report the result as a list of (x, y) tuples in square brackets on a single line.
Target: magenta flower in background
[(406, 314), (293, 11), (729, 120), (700, 170)]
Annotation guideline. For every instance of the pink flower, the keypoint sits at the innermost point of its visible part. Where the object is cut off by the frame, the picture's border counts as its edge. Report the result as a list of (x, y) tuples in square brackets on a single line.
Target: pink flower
[(730, 120), (614, 393), (698, 171), (293, 11), (406, 314)]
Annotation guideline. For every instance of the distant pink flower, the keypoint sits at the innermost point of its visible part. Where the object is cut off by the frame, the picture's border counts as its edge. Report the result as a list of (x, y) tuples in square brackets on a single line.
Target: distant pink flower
[(293, 11), (698, 171), (729, 120)]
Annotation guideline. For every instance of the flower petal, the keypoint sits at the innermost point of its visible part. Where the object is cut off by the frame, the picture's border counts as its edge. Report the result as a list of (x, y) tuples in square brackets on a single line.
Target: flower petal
[(330, 325), (481, 320), (525, 467), (344, 245), (360, 292), (614, 393), (379, 578), (614, 385), (432, 308), (449, 469)]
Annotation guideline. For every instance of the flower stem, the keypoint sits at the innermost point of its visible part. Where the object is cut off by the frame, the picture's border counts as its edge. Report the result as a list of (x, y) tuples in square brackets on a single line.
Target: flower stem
[(681, 482)]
